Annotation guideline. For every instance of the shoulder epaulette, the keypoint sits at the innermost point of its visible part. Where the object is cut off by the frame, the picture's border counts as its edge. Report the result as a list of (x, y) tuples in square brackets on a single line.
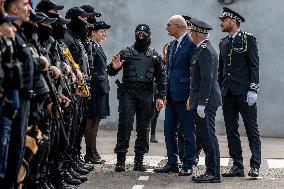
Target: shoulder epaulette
[(249, 34)]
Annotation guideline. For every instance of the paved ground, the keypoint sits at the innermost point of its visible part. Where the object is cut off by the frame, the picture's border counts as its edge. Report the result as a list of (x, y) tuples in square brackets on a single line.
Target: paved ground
[(272, 170)]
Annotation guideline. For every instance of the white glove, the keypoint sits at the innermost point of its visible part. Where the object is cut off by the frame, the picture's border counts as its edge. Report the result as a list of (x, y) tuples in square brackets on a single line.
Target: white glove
[(251, 97), (200, 111)]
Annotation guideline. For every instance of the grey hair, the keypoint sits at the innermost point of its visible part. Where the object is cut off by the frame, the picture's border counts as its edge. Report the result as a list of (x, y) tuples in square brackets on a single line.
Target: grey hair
[(179, 20)]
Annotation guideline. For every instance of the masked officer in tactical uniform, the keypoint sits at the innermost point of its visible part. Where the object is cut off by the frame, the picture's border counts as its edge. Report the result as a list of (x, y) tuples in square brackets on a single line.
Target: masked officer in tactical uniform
[(239, 82), (142, 66)]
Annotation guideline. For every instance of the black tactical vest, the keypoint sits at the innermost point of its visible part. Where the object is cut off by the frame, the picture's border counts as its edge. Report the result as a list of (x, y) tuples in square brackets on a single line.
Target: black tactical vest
[(138, 67)]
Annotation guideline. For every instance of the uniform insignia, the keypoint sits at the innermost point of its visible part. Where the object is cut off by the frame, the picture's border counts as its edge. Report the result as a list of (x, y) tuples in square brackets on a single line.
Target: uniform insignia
[(249, 34), (154, 56), (142, 27), (204, 45)]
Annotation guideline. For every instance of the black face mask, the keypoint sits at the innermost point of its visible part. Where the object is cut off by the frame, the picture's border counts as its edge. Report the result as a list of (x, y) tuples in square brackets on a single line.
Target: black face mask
[(79, 27), (58, 31), (142, 45), (51, 15), (29, 29), (91, 19), (43, 33)]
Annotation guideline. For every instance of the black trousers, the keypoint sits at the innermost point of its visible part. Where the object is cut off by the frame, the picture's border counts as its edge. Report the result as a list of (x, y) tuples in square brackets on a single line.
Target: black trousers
[(154, 121), (232, 106), (140, 103), (206, 129)]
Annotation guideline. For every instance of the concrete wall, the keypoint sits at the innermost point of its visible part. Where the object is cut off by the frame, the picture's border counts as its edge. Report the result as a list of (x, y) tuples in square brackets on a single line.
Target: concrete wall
[(263, 19)]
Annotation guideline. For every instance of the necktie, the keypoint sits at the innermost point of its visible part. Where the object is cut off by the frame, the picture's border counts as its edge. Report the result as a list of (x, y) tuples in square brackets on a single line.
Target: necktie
[(175, 46), (231, 40)]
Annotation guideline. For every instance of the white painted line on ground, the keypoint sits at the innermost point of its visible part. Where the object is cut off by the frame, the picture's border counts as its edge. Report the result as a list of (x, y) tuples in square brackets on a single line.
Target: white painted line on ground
[(201, 161), (224, 162), (151, 161), (138, 187), (150, 171), (144, 178), (271, 178), (275, 163)]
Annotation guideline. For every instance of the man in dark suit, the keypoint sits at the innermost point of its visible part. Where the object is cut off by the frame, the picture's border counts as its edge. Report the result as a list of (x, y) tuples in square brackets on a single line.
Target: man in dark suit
[(239, 81), (177, 110), (205, 98)]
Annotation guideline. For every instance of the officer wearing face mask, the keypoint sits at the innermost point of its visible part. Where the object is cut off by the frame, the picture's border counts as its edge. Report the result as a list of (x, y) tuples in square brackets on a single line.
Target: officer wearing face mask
[(75, 36), (142, 67)]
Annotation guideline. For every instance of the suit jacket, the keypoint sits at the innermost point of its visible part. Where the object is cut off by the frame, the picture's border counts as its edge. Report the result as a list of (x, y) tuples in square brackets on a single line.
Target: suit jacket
[(239, 64), (178, 69), (204, 89), (100, 82)]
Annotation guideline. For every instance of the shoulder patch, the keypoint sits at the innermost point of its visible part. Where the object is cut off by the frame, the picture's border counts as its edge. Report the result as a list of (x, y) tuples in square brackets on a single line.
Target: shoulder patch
[(204, 45)]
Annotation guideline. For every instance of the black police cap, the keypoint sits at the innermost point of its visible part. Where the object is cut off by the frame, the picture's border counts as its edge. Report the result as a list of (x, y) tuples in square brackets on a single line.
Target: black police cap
[(200, 26), (75, 12), (187, 20), (34, 17), (99, 25), (231, 14), (47, 5), (47, 19), (62, 21), (90, 9), (143, 28)]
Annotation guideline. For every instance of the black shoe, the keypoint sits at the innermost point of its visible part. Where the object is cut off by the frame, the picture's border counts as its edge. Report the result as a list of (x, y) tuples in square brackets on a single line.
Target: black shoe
[(138, 163), (94, 159), (254, 172), (68, 178), (120, 167), (153, 139), (167, 169), (206, 178), (185, 172), (78, 176), (83, 164), (235, 171), (193, 178), (79, 169)]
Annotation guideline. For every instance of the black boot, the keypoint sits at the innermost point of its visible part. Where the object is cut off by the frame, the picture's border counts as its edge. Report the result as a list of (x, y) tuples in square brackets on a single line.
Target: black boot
[(153, 139), (120, 164), (138, 163)]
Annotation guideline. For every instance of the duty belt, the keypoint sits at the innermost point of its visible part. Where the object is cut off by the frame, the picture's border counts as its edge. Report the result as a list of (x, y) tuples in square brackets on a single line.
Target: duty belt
[(138, 85)]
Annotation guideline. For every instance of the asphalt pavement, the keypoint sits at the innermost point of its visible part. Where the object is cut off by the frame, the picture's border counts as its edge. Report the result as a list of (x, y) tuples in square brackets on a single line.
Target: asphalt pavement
[(104, 176)]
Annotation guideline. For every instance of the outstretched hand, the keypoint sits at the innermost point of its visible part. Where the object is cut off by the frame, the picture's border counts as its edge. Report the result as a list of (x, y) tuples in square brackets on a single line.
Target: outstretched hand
[(116, 62)]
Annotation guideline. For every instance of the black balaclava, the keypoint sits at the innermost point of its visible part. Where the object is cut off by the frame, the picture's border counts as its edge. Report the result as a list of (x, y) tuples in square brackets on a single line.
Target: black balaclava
[(29, 29), (44, 33), (91, 19), (58, 31), (79, 27), (142, 45)]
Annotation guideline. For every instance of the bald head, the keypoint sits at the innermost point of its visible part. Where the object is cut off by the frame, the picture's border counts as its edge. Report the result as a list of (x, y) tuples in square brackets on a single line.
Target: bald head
[(176, 26)]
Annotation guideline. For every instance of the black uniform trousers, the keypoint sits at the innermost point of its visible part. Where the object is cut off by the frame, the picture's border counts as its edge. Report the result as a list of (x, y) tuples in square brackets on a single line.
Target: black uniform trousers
[(232, 106), (131, 102), (206, 129)]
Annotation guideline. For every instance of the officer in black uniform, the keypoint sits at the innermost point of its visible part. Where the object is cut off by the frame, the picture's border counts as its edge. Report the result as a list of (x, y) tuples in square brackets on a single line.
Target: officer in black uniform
[(239, 82), (141, 66), (205, 98), (19, 125)]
